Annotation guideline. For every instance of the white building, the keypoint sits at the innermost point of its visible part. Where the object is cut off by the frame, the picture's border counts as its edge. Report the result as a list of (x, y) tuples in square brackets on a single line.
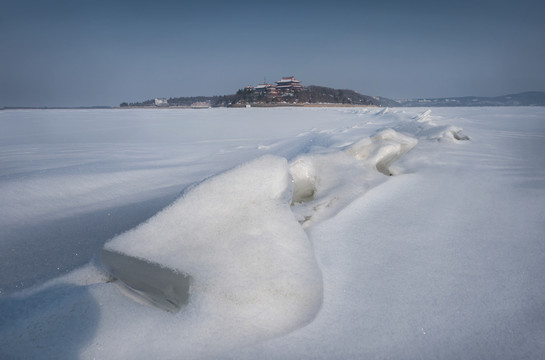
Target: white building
[(161, 102)]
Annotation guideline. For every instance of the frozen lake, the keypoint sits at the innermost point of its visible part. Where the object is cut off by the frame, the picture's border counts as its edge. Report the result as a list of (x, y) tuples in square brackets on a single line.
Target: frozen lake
[(308, 232)]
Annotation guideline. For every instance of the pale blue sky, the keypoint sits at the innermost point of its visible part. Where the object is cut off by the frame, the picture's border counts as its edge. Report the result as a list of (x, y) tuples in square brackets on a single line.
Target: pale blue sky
[(83, 53)]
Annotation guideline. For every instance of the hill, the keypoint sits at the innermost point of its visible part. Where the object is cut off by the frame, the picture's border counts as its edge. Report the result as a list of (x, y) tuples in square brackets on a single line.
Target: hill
[(321, 94), (529, 98), (308, 95)]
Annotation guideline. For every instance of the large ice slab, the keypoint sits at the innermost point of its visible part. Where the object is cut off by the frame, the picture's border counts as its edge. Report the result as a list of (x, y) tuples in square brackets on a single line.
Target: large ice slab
[(156, 284)]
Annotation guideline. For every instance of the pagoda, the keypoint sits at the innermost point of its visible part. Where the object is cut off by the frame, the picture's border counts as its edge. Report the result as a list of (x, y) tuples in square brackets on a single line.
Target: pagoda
[(288, 84)]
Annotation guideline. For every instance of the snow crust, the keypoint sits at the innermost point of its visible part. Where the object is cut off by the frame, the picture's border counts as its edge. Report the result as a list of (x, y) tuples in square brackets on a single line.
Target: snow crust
[(299, 243)]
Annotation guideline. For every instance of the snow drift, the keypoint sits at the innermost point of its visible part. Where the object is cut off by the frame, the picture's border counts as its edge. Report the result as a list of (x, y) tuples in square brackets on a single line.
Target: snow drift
[(245, 212), (236, 237)]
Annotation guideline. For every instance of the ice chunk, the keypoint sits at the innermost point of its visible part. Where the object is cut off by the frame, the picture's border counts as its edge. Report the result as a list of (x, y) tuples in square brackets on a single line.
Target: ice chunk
[(304, 179), (456, 133), (445, 132), (383, 149), (423, 117), (325, 183), (382, 112), (160, 286)]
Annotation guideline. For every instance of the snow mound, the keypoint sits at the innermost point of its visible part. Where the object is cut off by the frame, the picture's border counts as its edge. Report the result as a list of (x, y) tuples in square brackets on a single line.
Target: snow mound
[(446, 133), (236, 237), (424, 128), (324, 183), (383, 149), (246, 211)]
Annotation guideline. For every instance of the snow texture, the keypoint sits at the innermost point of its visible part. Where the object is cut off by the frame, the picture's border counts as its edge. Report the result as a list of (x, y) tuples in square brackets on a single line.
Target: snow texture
[(307, 233)]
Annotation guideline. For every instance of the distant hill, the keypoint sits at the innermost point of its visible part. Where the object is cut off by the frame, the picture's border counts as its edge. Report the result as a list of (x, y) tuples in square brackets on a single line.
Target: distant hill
[(308, 95), (530, 98), (320, 94)]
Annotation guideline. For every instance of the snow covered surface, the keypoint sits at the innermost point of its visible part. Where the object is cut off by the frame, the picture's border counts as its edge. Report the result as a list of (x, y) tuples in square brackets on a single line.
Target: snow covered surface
[(298, 241)]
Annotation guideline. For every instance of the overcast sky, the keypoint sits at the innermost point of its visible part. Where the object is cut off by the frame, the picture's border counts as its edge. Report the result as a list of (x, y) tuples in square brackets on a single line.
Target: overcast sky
[(84, 53)]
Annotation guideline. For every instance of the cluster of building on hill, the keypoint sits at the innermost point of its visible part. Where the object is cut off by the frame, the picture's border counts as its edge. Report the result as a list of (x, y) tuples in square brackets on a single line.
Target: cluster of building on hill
[(265, 92), (287, 91)]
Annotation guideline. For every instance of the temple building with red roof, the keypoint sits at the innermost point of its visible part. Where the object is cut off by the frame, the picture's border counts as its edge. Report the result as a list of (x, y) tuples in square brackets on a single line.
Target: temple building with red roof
[(277, 92), (288, 84)]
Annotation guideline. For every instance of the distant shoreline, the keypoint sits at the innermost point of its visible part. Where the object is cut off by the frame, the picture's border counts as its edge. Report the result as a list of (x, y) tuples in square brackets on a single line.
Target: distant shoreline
[(58, 108), (524, 99)]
